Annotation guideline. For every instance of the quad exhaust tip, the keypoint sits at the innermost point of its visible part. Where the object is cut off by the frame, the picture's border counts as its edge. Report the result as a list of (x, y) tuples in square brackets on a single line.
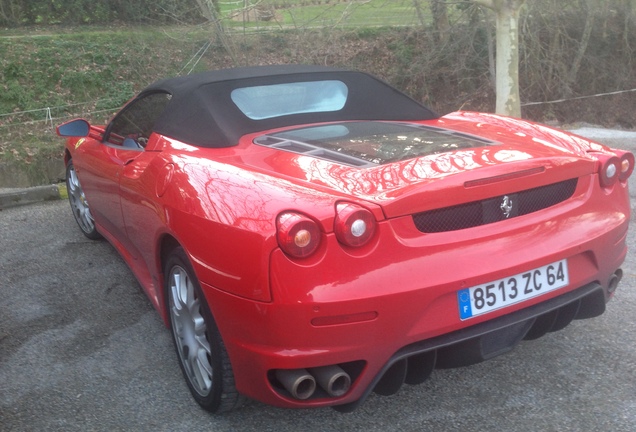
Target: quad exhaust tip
[(332, 379), (614, 280), (298, 382), (302, 383)]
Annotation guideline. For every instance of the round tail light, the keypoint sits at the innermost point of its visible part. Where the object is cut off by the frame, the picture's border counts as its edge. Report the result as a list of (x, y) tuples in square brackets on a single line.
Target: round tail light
[(298, 235), (354, 224), (610, 170)]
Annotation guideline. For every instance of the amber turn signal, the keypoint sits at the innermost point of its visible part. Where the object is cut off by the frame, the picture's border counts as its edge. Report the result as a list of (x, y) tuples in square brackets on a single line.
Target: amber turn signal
[(297, 234), (627, 166)]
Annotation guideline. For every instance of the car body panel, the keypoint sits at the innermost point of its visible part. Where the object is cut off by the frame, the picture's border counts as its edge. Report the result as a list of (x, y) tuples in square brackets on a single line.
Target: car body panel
[(413, 288), (358, 307), (397, 187)]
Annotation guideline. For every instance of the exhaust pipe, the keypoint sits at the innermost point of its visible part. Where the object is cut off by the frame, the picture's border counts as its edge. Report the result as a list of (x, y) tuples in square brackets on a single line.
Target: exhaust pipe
[(332, 379), (298, 382), (614, 280)]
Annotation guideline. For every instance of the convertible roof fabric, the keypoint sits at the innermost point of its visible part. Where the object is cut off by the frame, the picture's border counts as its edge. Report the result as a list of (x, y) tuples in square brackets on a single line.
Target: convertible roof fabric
[(201, 111)]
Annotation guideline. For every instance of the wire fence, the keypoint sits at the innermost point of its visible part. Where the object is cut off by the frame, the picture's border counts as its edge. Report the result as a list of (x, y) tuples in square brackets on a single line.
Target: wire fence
[(274, 15), (51, 116), (48, 115), (249, 16)]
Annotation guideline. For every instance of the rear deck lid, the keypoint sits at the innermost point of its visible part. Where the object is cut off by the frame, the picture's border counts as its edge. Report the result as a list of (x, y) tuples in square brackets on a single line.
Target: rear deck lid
[(371, 143), (413, 167)]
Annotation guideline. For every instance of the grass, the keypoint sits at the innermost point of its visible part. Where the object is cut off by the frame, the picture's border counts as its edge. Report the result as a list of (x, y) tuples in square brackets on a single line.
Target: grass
[(48, 67), (48, 71), (50, 78), (324, 13), (49, 75)]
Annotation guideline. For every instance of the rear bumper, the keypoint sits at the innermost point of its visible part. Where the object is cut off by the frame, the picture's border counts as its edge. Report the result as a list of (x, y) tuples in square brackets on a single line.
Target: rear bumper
[(486, 340), (372, 368), (371, 310)]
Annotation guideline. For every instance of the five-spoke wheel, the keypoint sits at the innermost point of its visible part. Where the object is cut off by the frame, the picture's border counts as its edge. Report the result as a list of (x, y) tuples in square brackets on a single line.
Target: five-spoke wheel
[(202, 355), (79, 204)]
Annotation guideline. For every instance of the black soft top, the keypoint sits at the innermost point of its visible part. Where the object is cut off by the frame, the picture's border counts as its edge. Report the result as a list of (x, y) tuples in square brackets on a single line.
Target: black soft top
[(202, 113)]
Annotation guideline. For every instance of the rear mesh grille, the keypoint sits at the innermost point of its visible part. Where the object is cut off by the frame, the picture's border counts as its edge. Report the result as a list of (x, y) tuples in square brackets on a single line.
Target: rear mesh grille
[(496, 209)]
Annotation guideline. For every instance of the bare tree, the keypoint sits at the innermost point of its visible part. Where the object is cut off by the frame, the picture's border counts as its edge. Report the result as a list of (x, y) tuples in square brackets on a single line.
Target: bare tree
[(507, 63), (209, 9), (585, 40), (439, 10), (211, 12), (629, 10), (418, 12)]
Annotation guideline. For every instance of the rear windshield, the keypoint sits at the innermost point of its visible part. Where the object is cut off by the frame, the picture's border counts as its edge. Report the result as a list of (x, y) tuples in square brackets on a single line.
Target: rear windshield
[(277, 100), (371, 143)]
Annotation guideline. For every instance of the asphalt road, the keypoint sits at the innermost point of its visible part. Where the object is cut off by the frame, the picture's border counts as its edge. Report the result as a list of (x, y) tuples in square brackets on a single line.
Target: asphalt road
[(81, 349)]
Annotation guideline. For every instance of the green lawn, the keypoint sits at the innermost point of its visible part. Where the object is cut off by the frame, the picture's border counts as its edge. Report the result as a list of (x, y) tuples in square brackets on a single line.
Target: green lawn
[(51, 74), (325, 13)]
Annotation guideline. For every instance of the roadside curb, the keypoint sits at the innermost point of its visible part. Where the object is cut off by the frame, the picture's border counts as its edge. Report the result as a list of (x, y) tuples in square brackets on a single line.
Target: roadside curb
[(18, 197)]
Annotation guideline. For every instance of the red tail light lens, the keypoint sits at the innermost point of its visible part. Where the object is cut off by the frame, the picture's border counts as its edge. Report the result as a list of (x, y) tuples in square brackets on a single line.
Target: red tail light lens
[(627, 166), (354, 225), (610, 170), (298, 235)]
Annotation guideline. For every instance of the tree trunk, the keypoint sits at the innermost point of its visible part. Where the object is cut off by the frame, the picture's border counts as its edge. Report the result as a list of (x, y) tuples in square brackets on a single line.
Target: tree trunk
[(418, 12), (439, 10), (630, 16), (210, 11), (580, 53), (507, 63), (492, 68)]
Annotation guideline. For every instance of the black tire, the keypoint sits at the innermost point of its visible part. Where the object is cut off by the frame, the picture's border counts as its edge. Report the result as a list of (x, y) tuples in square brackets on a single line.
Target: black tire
[(200, 349), (79, 204)]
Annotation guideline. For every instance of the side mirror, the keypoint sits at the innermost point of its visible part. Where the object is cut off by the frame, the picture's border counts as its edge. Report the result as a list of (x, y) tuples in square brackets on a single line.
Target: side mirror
[(74, 128)]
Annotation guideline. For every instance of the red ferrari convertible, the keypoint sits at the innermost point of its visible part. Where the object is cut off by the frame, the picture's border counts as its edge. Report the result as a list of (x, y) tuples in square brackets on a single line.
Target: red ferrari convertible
[(311, 235)]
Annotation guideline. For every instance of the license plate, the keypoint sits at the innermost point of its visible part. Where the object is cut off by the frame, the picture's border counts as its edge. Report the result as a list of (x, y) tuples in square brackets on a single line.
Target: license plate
[(498, 294)]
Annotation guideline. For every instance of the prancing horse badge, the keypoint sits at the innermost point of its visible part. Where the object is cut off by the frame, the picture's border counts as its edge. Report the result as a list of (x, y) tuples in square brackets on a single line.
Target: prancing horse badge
[(506, 206)]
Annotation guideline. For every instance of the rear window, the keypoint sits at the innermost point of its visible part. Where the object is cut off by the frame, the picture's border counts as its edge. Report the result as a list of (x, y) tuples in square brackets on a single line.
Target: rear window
[(277, 100), (371, 143)]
